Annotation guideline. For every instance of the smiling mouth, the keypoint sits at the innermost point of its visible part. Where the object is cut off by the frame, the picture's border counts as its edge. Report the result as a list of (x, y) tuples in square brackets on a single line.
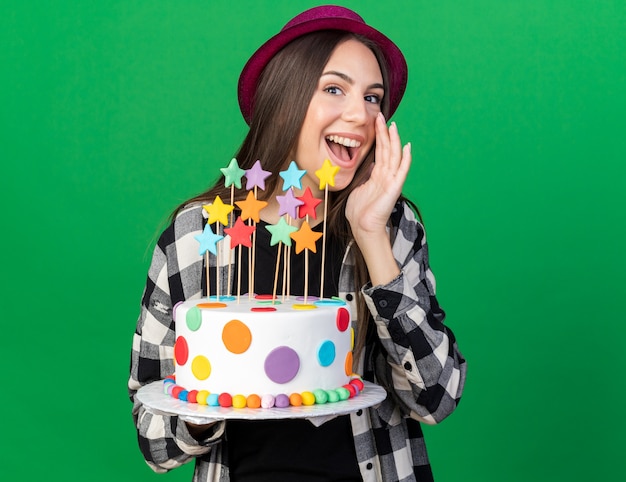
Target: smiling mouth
[(342, 147)]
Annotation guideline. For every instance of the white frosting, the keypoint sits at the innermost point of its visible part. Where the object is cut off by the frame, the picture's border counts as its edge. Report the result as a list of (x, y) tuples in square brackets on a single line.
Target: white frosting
[(303, 331)]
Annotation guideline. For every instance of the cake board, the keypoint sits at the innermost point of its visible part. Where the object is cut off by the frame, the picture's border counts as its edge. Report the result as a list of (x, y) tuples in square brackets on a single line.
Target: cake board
[(155, 400)]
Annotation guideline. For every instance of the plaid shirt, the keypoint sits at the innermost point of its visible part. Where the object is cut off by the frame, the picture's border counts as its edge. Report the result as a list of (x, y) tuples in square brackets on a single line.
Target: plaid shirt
[(412, 355)]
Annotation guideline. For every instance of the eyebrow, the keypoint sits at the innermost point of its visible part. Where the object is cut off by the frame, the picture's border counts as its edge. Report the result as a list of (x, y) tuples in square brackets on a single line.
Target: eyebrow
[(350, 81)]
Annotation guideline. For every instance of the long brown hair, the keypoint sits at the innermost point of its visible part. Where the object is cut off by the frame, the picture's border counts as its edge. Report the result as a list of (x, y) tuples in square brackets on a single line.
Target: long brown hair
[(283, 94)]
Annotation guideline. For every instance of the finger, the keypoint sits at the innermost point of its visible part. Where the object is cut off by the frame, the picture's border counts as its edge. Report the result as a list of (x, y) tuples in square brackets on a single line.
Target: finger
[(405, 162), (395, 148), (382, 140)]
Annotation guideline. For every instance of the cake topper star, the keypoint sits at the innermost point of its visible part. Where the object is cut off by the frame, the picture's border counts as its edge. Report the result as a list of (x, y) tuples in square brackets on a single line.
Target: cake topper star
[(240, 234), (218, 211), (281, 232), (233, 174), (305, 238), (292, 176), (256, 176), (309, 204), (326, 174), (251, 207), (208, 240), (288, 204)]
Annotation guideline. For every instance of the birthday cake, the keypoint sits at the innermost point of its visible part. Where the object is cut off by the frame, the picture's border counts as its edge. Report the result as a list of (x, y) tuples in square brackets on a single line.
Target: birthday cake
[(269, 350), (258, 353)]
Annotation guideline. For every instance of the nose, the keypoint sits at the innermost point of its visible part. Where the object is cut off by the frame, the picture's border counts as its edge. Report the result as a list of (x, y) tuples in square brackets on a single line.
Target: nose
[(355, 110)]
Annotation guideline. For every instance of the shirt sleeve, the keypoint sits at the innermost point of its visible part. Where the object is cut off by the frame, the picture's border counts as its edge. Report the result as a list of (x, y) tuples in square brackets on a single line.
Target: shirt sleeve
[(419, 363), (174, 275)]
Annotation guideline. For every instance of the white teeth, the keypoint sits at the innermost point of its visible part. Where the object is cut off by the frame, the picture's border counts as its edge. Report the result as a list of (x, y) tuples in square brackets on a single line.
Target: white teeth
[(344, 141)]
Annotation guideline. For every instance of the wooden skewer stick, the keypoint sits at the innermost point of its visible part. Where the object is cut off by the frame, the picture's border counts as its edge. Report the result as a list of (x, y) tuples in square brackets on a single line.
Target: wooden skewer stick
[(239, 274), (217, 267), (230, 225), (306, 268), (208, 280), (280, 245), (252, 258), (324, 241)]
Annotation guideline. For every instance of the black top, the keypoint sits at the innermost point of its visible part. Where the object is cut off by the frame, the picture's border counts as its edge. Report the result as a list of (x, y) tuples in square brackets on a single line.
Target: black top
[(292, 449)]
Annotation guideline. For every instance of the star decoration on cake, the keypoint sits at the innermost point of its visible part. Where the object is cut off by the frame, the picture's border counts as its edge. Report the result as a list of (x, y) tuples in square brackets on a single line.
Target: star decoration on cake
[(288, 204), (326, 174), (218, 211), (292, 176), (251, 207), (281, 232), (256, 176), (208, 240), (233, 174), (240, 233), (309, 204), (305, 238)]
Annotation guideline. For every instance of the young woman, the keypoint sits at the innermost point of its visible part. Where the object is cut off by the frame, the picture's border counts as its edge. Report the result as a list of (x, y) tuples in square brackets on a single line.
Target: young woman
[(320, 89)]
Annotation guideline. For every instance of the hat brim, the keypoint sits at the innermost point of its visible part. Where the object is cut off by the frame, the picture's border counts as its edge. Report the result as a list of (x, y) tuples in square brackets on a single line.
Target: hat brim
[(396, 64)]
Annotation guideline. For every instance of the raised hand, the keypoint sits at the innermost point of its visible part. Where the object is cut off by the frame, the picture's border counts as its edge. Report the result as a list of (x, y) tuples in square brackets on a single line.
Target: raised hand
[(370, 204)]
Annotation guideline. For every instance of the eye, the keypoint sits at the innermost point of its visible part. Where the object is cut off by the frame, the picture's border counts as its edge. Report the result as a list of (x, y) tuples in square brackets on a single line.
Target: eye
[(333, 90), (373, 99)]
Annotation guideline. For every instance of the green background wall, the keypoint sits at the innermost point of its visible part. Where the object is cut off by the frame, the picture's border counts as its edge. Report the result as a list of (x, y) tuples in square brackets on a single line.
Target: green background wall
[(112, 112)]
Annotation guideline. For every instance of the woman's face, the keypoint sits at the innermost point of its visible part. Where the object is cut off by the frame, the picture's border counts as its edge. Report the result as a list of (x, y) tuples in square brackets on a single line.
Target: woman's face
[(339, 123)]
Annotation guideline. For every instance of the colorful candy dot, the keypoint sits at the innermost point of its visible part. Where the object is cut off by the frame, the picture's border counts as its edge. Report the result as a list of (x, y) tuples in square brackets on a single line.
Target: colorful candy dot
[(192, 396), (326, 353), (236, 336), (213, 400), (194, 318), (225, 400), (282, 364), (343, 319), (211, 306), (348, 364), (267, 401), (321, 396), (332, 395), (303, 306), (343, 393), (331, 302), (295, 399), (176, 391), (182, 395), (221, 298), (308, 398), (281, 401), (239, 401), (310, 298), (253, 401), (202, 396), (358, 383), (181, 351), (261, 309), (201, 367), (350, 389)]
